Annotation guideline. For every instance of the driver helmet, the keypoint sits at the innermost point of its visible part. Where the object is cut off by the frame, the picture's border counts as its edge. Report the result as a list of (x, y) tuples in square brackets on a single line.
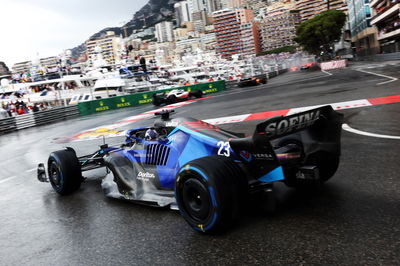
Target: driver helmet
[(151, 134), (159, 126)]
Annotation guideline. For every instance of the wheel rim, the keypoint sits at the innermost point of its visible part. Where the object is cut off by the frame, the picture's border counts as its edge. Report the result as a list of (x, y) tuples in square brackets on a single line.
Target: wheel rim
[(55, 176), (196, 199)]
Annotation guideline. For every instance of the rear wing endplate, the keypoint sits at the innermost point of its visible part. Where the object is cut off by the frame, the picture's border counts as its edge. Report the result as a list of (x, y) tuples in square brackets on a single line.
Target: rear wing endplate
[(325, 118)]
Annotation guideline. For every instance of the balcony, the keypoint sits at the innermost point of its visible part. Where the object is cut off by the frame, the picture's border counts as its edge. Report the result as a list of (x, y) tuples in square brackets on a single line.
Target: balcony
[(385, 12), (392, 29), (374, 3), (390, 34)]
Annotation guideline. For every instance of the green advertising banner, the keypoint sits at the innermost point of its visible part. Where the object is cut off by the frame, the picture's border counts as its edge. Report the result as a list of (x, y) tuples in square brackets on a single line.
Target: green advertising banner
[(131, 100)]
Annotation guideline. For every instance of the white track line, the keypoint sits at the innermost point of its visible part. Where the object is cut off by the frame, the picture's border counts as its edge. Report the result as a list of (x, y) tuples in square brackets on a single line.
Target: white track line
[(380, 75), (356, 131), (7, 179), (326, 72)]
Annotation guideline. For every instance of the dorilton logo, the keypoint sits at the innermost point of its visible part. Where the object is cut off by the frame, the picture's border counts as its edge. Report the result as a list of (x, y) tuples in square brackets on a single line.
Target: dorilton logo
[(145, 176), (291, 124)]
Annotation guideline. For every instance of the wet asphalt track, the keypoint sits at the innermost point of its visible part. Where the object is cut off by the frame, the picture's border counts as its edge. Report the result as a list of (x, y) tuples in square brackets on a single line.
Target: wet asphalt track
[(353, 220)]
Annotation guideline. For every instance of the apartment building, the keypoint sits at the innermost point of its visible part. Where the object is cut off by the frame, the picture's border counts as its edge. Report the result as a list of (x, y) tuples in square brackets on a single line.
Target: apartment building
[(205, 5), (279, 26), (21, 67), (236, 32), (107, 47), (183, 33), (257, 5), (310, 8), (234, 3), (50, 62), (182, 12), (164, 31), (363, 34), (386, 18), (213, 5)]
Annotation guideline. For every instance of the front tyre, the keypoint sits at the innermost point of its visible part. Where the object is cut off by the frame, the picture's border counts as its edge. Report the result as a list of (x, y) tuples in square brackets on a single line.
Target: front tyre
[(156, 100), (210, 193), (64, 171)]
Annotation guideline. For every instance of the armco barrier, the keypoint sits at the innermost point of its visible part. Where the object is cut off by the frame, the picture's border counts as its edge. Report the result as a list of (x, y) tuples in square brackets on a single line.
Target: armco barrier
[(8, 125), (91, 107), (56, 114), (39, 118), (333, 64)]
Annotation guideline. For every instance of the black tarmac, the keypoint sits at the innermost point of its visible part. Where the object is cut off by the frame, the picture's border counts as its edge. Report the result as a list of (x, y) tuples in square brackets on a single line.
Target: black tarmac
[(353, 220)]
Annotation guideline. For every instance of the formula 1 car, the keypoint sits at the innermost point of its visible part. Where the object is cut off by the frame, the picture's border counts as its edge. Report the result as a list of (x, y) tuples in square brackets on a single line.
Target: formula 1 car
[(252, 81), (312, 65), (174, 96), (207, 173)]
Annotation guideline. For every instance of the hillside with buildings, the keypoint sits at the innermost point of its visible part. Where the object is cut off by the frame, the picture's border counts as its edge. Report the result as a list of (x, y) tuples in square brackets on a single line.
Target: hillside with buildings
[(153, 12), (168, 31)]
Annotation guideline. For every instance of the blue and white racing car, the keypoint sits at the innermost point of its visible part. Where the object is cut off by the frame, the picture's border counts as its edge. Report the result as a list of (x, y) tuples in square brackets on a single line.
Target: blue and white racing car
[(209, 174)]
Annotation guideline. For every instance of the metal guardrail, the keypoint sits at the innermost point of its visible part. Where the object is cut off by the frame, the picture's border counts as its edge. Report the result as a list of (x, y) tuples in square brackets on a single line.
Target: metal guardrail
[(39, 118), (8, 125)]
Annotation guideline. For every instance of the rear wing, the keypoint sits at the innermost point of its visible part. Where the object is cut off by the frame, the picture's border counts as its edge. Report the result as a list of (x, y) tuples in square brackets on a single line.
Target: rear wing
[(324, 120), (318, 130)]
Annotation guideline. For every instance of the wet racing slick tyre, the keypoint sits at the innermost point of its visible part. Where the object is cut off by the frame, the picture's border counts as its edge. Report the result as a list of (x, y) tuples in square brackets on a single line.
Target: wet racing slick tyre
[(210, 193), (172, 99), (156, 100), (197, 94), (64, 171)]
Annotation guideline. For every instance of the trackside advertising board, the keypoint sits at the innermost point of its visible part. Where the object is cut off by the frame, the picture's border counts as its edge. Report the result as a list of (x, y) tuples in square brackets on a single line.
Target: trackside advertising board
[(130, 100)]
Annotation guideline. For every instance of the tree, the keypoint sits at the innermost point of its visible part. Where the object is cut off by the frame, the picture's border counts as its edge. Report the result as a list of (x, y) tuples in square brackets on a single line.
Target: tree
[(318, 34), (285, 49)]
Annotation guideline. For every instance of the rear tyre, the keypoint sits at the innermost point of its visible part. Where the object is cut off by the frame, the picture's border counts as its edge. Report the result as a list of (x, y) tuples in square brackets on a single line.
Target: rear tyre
[(210, 193), (198, 94), (64, 171)]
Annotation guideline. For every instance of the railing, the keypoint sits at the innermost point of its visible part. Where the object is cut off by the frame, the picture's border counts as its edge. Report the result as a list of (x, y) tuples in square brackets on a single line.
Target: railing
[(39, 118), (382, 10)]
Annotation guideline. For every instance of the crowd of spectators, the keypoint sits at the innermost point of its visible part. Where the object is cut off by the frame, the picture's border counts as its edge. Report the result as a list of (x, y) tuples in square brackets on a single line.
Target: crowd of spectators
[(19, 107)]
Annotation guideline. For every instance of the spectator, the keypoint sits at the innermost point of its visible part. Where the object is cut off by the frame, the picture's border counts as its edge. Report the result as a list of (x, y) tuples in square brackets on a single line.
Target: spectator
[(20, 110), (7, 107), (3, 113), (35, 108)]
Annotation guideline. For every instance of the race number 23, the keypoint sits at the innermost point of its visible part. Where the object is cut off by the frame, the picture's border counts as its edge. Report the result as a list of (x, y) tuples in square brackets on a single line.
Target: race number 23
[(224, 148)]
